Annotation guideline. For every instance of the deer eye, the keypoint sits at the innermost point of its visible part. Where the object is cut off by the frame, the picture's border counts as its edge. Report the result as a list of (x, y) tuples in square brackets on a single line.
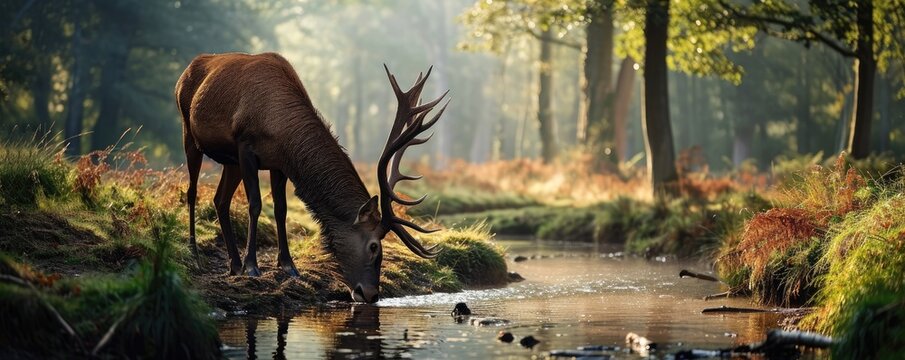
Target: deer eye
[(373, 247)]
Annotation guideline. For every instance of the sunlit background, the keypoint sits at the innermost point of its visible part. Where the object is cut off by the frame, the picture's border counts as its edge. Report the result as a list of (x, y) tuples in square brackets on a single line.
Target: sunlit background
[(100, 67)]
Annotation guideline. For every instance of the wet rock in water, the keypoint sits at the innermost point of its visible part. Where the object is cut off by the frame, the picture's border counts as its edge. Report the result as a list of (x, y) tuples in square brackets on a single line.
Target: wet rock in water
[(515, 277), (578, 354), (488, 321), (528, 341), (505, 337), (598, 348), (217, 314), (639, 344), (519, 258), (461, 310)]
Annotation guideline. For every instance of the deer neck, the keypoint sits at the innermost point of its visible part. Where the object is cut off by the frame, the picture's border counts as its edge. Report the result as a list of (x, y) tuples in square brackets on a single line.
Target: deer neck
[(324, 178)]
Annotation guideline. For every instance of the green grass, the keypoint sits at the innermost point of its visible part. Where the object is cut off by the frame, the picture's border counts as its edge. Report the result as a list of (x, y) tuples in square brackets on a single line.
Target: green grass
[(837, 243), (458, 200), (29, 172), (682, 227), (472, 258), (123, 233)]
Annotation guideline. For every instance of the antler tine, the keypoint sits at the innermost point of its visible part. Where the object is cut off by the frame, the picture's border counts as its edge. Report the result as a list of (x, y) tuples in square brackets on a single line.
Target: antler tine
[(393, 82), (426, 107), (408, 125), (414, 245), (414, 226), (415, 91), (432, 121)]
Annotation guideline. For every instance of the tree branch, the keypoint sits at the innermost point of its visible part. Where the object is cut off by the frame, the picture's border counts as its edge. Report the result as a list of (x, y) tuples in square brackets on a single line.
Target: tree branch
[(808, 33), (557, 41)]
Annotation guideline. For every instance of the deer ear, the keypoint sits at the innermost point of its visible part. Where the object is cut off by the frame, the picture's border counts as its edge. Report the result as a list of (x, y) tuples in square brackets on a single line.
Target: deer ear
[(369, 212)]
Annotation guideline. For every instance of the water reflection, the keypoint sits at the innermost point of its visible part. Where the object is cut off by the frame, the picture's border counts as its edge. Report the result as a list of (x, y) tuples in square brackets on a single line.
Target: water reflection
[(566, 302), (360, 335)]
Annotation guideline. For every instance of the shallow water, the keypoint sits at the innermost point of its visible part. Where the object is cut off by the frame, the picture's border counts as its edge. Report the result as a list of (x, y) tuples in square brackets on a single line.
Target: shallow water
[(574, 296)]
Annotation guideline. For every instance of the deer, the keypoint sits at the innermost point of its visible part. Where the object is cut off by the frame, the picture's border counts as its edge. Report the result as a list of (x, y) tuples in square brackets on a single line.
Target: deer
[(252, 113)]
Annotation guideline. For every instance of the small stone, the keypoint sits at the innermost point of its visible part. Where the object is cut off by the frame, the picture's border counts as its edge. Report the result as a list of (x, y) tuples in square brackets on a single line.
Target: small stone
[(505, 337), (515, 277), (528, 341), (461, 309), (519, 258), (488, 321)]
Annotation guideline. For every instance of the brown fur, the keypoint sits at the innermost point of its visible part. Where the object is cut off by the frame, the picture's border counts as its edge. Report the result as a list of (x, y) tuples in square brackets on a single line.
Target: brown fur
[(250, 113), (260, 100)]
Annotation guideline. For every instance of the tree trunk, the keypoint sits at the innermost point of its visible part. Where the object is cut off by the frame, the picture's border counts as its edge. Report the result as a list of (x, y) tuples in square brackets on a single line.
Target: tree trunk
[(108, 129), (805, 130), (76, 105), (597, 132), (545, 99), (658, 133), (624, 84), (884, 96), (859, 135)]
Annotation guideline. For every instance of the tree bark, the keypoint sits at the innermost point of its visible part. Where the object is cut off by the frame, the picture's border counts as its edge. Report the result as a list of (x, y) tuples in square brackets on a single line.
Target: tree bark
[(624, 84), (658, 139), (597, 132), (859, 135), (72, 130), (545, 99)]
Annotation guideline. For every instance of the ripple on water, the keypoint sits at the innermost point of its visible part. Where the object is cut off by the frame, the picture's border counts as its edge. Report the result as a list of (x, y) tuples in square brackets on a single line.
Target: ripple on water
[(565, 302)]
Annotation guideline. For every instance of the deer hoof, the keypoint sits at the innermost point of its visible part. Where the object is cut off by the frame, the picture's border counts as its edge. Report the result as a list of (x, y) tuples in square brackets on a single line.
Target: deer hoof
[(290, 270), (235, 268), (251, 270)]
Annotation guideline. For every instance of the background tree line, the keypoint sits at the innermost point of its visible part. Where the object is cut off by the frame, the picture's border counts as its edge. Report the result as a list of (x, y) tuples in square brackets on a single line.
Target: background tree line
[(746, 82)]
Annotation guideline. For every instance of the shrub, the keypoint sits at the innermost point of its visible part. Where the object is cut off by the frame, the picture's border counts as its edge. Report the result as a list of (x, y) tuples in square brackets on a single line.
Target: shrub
[(30, 171)]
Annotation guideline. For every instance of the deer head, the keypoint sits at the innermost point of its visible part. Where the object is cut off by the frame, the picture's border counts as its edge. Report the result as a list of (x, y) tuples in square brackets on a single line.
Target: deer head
[(361, 265)]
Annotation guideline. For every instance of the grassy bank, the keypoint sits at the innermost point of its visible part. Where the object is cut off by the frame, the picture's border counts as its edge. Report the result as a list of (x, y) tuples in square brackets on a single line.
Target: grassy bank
[(684, 227), (833, 242), (102, 242)]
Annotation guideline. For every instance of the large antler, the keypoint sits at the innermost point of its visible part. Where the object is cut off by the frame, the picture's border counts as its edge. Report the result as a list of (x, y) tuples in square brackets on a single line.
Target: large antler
[(408, 125)]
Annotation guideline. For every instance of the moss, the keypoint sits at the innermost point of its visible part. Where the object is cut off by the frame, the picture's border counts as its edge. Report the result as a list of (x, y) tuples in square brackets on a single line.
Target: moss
[(472, 257)]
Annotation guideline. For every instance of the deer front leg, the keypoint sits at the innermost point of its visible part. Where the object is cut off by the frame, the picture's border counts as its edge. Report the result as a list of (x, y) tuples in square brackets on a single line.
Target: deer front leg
[(278, 189), (248, 164), (229, 181)]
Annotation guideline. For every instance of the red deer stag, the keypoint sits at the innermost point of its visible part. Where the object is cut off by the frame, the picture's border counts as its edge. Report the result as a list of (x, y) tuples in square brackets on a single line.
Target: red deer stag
[(250, 113)]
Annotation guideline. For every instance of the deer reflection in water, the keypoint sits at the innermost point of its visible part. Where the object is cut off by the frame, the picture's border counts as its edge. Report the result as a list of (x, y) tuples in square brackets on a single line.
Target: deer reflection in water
[(347, 332)]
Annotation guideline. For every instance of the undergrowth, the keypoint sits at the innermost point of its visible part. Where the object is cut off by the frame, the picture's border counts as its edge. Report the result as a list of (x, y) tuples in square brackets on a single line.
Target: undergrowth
[(835, 242)]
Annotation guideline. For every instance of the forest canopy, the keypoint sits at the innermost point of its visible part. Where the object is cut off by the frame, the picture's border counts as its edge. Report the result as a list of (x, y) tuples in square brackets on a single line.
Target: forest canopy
[(746, 82)]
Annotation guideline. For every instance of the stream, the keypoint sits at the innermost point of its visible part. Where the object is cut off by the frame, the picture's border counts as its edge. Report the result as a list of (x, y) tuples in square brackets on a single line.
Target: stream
[(574, 295)]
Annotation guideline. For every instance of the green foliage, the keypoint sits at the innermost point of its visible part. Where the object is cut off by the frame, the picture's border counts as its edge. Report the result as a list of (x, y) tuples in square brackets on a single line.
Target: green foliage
[(494, 25), (29, 171), (164, 320), (863, 292), (460, 200), (697, 42)]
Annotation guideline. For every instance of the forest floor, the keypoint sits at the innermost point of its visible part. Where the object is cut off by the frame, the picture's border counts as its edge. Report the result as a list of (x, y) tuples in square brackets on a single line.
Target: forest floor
[(89, 236), (101, 242)]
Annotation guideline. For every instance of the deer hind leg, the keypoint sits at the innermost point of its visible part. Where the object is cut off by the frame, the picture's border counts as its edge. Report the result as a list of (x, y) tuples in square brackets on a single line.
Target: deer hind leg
[(278, 189), (229, 181), (193, 158), (248, 165)]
